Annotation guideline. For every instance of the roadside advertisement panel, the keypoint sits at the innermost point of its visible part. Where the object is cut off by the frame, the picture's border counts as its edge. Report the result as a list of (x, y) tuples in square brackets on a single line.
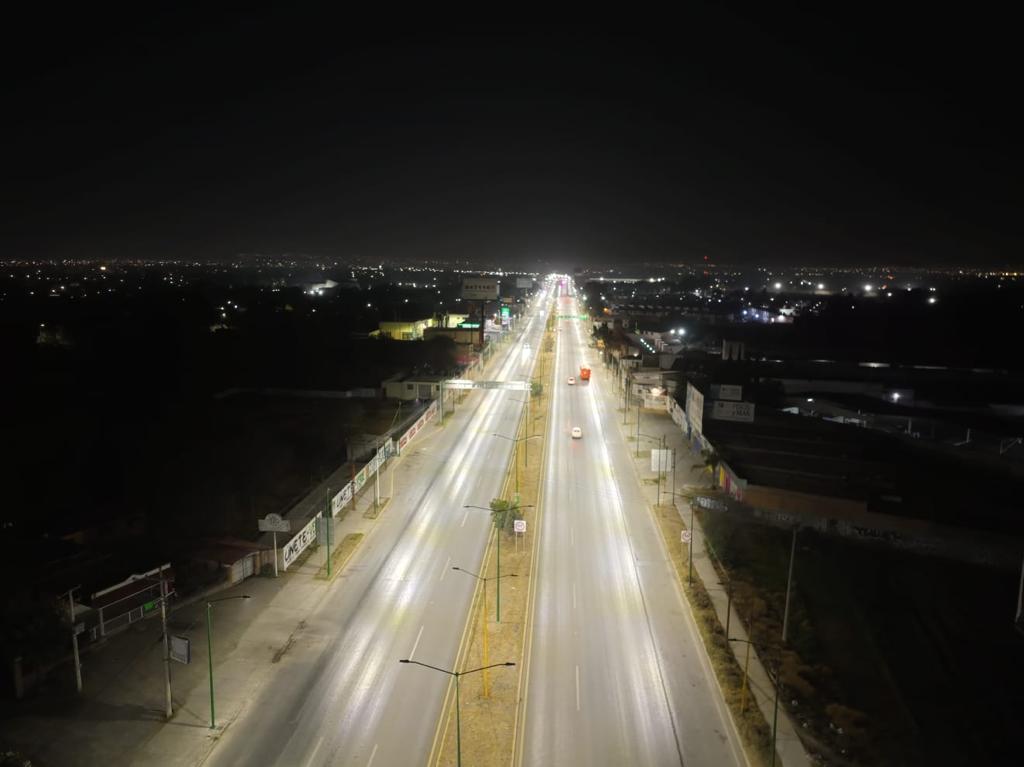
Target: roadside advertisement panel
[(730, 391), (339, 501), (479, 289), (695, 408), (733, 411), (299, 543)]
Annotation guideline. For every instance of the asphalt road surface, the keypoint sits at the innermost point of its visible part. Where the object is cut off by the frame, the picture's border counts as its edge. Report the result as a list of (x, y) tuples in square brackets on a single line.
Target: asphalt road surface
[(343, 698), (615, 670)]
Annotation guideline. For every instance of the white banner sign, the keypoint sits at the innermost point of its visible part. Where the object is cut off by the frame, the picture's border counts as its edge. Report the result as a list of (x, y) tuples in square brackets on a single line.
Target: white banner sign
[(661, 460), (338, 502), (299, 543), (181, 649), (695, 408), (733, 411)]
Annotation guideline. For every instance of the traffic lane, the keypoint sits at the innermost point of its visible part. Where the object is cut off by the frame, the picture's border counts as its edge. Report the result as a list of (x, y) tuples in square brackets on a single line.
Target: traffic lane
[(621, 671), (706, 734), (313, 711), (360, 659), (584, 703), (415, 710), (554, 630)]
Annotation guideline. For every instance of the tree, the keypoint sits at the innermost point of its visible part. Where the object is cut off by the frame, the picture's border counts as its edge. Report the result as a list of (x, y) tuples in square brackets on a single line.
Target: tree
[(711, 461), (505, 513)]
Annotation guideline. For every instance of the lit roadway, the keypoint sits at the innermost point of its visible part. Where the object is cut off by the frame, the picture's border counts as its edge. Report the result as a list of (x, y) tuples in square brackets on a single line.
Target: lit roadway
[(342, 698), (616, 672)]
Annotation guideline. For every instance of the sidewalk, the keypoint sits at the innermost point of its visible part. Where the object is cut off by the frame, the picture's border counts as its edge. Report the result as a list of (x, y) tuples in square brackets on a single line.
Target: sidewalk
[(656, 424)]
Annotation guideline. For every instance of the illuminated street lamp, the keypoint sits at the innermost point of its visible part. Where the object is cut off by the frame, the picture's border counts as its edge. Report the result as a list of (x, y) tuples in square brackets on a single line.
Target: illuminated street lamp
[(497, 541), (457, 674), (515, 452), (209, 646), (483, 624)]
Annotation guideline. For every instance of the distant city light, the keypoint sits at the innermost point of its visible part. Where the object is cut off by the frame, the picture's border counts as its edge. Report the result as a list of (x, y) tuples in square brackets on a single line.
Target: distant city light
[(821, 286), (932, 299), (868, 288), (778, 286)]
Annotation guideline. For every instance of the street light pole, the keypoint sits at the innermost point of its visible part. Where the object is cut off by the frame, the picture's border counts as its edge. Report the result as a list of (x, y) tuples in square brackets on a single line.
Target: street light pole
[(483, 623), (515, 452), (458, 718), (497, 539), (209, 649)]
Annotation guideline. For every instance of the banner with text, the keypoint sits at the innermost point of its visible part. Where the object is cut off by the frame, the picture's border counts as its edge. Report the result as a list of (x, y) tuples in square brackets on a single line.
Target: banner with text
[(299, 543)]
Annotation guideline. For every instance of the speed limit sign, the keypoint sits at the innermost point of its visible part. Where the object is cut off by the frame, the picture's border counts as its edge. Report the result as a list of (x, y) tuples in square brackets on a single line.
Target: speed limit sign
[(685, 536)]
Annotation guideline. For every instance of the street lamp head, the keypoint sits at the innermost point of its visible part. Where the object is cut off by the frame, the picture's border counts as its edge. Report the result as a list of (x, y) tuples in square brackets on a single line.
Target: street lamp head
[(404, 660)]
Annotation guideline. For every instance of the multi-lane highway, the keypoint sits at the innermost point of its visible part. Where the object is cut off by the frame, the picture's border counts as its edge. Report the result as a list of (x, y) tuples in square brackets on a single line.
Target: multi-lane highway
[(615, 670), (343, 698)]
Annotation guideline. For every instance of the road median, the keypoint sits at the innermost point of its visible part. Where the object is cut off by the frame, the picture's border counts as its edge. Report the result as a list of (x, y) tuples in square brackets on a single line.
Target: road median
[(487, 721)]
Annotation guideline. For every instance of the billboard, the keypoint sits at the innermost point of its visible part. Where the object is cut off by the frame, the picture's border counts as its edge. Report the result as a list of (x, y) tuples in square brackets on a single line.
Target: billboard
[(524, 282), (724, 410), (730, 391), (299, 543), (479, 289), (695, 408)]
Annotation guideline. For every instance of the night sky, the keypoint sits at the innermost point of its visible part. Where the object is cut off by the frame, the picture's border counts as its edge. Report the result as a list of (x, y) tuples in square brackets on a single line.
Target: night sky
[(750, 139)]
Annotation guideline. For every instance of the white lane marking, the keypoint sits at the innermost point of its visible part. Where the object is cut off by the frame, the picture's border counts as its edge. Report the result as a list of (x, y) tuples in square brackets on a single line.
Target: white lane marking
[(315, 750), (574, 596), (577, 688), (445, 570), (373, 755), (464, 517), (416, 643)]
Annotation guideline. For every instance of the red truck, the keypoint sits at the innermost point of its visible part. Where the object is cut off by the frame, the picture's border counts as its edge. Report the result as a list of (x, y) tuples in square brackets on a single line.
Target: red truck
[(584, 374)]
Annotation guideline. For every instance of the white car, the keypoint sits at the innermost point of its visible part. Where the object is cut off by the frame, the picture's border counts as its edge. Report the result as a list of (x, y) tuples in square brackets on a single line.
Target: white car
[(577, 432), (572, 381)]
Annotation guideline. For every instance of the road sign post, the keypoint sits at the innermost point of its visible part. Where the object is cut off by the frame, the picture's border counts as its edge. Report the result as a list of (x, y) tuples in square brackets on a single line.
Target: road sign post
[(274, 523)]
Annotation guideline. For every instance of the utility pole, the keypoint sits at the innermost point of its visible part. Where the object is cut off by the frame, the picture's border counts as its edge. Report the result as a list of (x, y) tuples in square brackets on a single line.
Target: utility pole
[(639, 400), (789, 586), (1020, 594), (74, 639), (168, 704), (775, 714), (376, 480), (661, 459), (689, 549), (328, 518), (673, 477)]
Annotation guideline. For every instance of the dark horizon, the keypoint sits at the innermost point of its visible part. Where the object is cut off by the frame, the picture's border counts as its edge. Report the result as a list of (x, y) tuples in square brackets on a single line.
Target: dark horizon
[(751, 141)]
